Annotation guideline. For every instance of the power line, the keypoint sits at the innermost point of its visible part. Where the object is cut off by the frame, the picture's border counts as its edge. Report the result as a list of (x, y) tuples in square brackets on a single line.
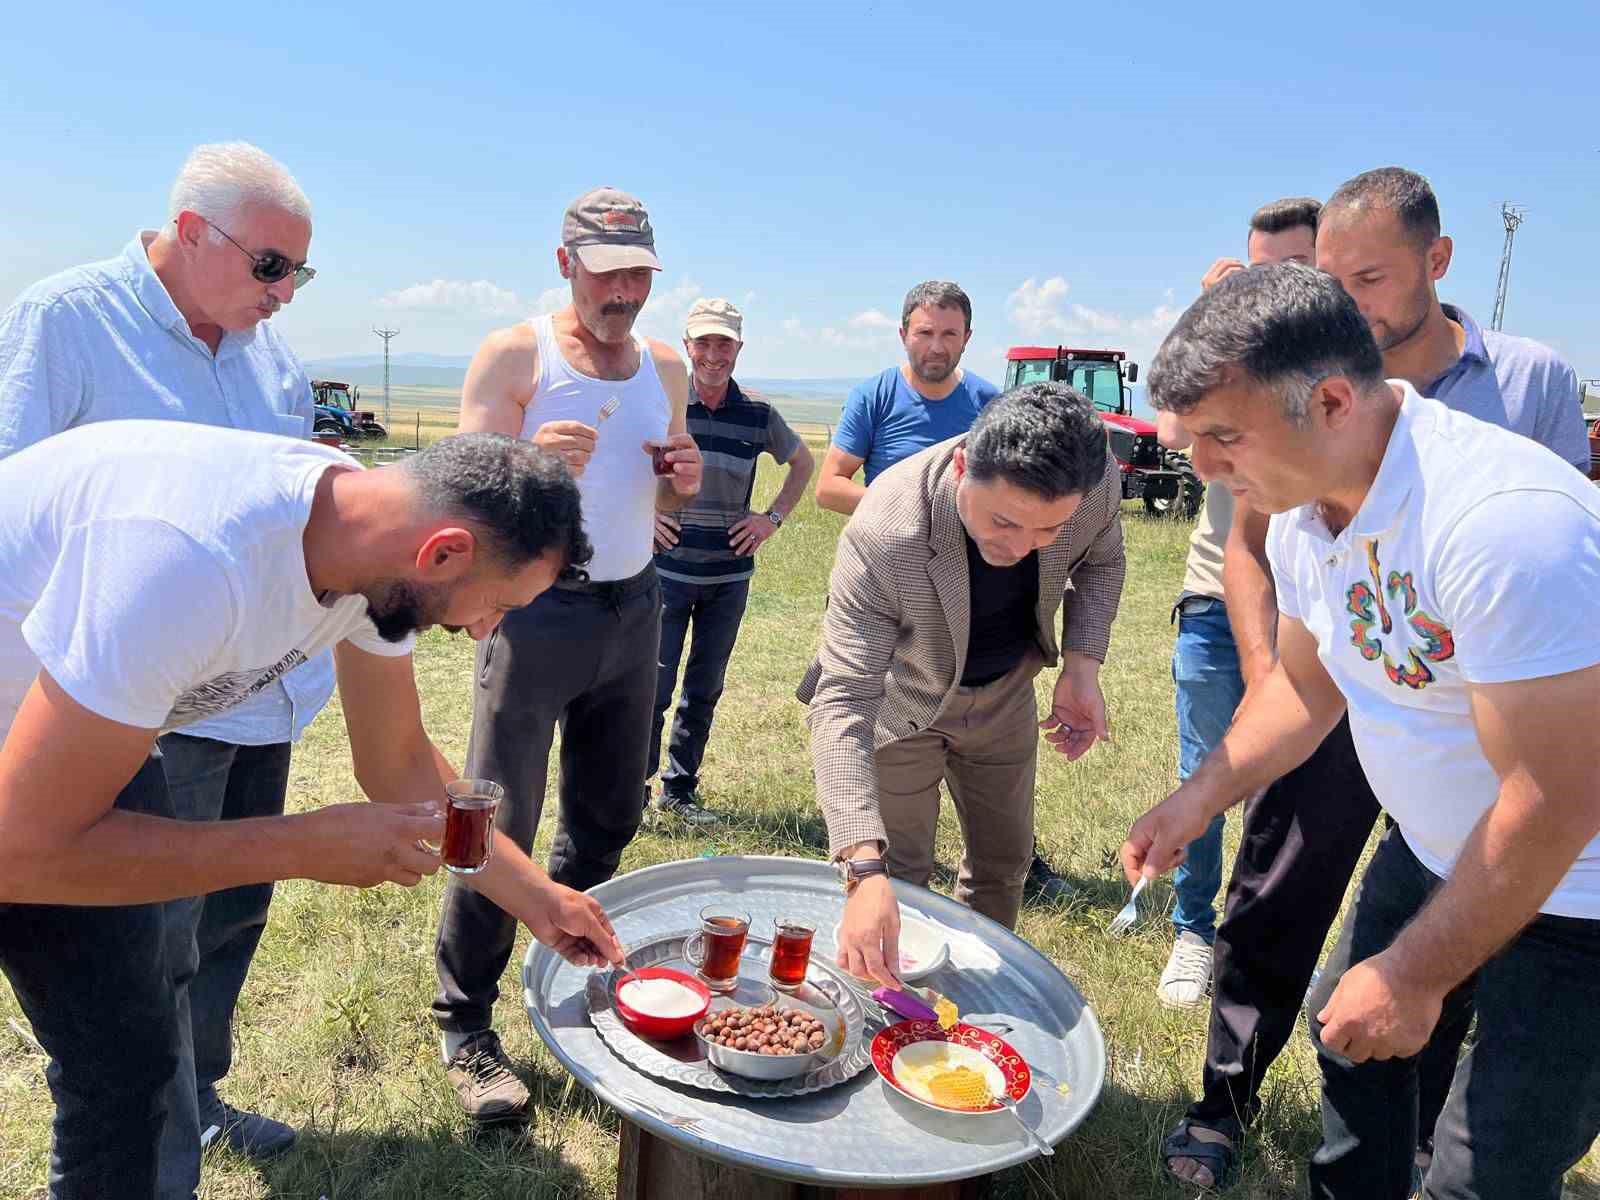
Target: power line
[(386, 335), (1512, 215)]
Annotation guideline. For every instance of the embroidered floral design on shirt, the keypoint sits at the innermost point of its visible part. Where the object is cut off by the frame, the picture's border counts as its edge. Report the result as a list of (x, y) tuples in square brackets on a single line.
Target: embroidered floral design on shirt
[(1365, 602)]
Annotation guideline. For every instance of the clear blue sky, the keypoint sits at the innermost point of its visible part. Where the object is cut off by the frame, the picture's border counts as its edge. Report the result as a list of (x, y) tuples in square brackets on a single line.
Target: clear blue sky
[(813, 161)]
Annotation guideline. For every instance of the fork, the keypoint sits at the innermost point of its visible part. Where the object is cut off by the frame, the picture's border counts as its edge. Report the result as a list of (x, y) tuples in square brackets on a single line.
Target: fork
[(677, 1121), (1010, 1105), (1121, 923), (607, 409)]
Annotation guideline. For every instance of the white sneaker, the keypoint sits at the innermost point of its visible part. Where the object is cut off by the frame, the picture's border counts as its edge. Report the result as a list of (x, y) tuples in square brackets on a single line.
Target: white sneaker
[(1187, 977)]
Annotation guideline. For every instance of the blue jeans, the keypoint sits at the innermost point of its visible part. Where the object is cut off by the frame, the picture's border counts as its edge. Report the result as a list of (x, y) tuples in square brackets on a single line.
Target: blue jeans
[(716, 610), (211, 939), (93, 982), (1524, 1105), (1205, 668)]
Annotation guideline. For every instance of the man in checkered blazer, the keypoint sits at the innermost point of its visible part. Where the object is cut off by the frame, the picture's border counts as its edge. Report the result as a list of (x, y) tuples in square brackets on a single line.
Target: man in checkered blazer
[(941, 610)]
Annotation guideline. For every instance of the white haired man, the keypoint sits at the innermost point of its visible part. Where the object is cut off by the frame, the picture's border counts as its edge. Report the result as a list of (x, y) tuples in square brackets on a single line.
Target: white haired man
[(175, 328)]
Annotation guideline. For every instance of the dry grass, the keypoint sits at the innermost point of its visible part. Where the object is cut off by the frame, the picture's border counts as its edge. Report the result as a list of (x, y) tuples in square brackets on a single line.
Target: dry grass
[(334, 1034)]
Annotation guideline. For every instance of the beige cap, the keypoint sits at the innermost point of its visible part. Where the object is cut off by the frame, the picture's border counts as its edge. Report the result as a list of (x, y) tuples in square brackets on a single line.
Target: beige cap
[(714, 316), (609, 231)]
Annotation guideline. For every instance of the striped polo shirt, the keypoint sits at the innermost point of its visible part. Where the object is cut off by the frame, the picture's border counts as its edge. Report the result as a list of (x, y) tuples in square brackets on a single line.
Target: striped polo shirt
[(730, 439)]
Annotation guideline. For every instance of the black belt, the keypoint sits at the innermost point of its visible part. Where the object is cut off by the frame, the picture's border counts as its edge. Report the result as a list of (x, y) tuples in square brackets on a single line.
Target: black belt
[(1181, 608), (611, 591)]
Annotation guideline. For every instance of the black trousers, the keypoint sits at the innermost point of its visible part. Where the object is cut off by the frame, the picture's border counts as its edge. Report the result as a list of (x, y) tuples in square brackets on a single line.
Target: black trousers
[(715, 610), (1525, 1102), (94, 984), (1299, 847), (212, 939), (585, 660)]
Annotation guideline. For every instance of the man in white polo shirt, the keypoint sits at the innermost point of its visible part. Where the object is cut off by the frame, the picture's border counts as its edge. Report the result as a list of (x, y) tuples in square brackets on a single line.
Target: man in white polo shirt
[(177, 328), (1439, 578)]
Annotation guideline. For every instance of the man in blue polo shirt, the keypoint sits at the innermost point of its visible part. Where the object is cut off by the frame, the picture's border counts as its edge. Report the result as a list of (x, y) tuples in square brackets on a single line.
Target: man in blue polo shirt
[(706, 550), (908, 408)]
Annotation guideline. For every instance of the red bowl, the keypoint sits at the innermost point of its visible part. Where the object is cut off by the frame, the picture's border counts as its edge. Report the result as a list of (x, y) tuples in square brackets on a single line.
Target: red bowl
[(662, 1029)]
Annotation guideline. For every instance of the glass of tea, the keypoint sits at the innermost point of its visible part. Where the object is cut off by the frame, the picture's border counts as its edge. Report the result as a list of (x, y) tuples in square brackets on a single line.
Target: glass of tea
[(715, 947), (791, 952), (469, 824), (658, 458)]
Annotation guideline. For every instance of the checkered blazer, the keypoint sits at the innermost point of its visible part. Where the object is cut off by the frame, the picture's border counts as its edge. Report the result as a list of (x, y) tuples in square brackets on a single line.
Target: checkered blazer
[(894, 638)]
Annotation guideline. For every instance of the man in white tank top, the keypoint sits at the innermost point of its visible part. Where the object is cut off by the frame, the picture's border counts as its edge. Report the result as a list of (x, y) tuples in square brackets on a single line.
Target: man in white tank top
[(579, 383)]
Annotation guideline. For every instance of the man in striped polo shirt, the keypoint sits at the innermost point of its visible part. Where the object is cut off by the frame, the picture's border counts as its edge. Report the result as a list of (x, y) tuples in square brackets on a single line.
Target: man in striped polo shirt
[(705, 551)]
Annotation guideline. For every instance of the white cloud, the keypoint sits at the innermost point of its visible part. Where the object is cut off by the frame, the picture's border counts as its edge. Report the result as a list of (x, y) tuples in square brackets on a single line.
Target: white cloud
[(1041, 310), (477, 297), (551, 300), (873, 319), (665, 312)]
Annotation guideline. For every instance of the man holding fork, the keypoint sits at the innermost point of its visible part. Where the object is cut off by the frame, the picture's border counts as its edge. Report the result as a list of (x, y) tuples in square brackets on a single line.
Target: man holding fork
[(581, 384)]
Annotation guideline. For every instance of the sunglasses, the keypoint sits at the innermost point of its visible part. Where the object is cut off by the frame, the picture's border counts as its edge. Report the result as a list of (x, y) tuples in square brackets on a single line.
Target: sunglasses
[(272, 265)]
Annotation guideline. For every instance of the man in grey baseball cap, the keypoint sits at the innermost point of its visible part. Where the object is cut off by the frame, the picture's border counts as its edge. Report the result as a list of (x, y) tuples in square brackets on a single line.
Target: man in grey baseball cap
[(583, 385), (609, 231)]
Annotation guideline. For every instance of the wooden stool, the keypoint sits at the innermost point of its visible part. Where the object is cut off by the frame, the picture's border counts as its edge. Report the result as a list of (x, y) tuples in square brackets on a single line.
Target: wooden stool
[(649, 1168)]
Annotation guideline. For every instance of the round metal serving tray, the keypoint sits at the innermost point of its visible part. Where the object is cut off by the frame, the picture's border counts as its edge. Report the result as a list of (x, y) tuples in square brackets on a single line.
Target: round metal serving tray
[(861, 1134), (684, 1060)]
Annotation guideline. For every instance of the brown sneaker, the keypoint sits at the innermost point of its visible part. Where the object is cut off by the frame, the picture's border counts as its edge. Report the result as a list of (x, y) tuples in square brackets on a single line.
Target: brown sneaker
[(481, 1074)]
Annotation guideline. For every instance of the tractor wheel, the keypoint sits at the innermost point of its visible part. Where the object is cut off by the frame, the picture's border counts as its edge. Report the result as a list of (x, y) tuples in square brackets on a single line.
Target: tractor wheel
[(328, 427), (1191, 494)]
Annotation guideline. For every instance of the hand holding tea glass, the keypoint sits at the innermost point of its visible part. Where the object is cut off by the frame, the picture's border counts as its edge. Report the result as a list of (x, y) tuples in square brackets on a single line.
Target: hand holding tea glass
[(570, 923), (678, 459)]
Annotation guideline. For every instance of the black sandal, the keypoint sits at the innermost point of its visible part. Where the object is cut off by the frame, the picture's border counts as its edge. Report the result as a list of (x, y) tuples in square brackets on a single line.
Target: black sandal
[(1222, 1160)]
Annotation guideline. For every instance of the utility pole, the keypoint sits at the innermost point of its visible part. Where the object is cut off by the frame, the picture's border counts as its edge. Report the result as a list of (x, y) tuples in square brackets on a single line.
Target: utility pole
[(1512, 215), (386, 335)]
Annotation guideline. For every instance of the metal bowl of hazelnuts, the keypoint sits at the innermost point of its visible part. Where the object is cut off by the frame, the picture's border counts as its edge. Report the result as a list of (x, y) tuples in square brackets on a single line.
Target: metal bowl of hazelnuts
[(771, 1041)]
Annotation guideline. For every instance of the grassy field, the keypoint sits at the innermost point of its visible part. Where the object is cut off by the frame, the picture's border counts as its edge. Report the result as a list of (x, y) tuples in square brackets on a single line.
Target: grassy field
[(334, 1035)]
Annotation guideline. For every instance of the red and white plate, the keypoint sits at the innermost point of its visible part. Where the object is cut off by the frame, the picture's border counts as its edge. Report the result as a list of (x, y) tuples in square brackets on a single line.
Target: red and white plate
[(900, 1049)]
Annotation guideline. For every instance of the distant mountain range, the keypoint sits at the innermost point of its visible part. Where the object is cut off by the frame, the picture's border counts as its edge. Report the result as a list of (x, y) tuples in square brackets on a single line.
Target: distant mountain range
[(410, 359), (450, 371)]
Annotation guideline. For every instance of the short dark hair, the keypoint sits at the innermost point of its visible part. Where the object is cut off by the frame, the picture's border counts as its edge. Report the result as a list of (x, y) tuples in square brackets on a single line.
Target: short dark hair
[(1289, 213), (1286, 326), (1404, 193), (1045, 437), (940, 293), (523, 498)]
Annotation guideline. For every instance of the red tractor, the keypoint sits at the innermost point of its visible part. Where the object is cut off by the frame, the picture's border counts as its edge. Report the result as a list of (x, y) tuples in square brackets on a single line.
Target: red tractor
[(1163, 479)]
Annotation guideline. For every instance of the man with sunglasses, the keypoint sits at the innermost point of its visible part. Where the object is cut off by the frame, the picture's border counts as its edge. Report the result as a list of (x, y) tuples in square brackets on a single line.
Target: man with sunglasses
[(176, 328)]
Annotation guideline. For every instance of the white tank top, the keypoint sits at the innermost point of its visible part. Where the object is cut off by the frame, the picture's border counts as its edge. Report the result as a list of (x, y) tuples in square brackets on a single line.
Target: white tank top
[(618, 487)]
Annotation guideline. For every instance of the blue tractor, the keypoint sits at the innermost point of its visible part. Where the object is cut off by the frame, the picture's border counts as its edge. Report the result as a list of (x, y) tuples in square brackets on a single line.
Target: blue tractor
[(336, 413)]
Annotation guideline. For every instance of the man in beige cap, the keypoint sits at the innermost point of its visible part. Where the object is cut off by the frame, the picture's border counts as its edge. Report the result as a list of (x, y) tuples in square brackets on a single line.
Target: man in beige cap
[(706, 551), (582, 384)]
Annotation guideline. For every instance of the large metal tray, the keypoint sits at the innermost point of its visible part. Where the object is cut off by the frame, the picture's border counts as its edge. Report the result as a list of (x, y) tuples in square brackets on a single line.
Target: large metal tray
[(860, 1134), (684, 1061)]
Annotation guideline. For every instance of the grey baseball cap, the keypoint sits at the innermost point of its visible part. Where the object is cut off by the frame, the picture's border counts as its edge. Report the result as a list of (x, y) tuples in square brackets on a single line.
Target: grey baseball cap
[(609, 231), (714, 317)]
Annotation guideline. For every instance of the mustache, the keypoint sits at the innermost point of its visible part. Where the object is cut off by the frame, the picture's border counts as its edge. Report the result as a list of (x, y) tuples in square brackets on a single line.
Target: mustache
[(619, 308)]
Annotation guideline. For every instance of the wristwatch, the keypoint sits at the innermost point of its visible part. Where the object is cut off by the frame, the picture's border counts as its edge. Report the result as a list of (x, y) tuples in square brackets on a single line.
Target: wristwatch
[(853, 871), (775, 517)]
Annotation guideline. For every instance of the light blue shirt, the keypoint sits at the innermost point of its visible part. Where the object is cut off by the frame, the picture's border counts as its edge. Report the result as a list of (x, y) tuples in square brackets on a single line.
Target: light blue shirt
[(105, 342), (1518, 384)]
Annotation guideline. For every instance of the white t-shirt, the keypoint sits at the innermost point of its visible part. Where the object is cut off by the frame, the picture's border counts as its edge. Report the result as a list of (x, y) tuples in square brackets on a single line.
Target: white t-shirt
[(156, 570), (1475, 558)]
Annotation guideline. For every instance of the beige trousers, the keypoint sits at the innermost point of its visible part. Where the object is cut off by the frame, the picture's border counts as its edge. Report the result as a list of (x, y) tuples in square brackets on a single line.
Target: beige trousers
[(984, 746)]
